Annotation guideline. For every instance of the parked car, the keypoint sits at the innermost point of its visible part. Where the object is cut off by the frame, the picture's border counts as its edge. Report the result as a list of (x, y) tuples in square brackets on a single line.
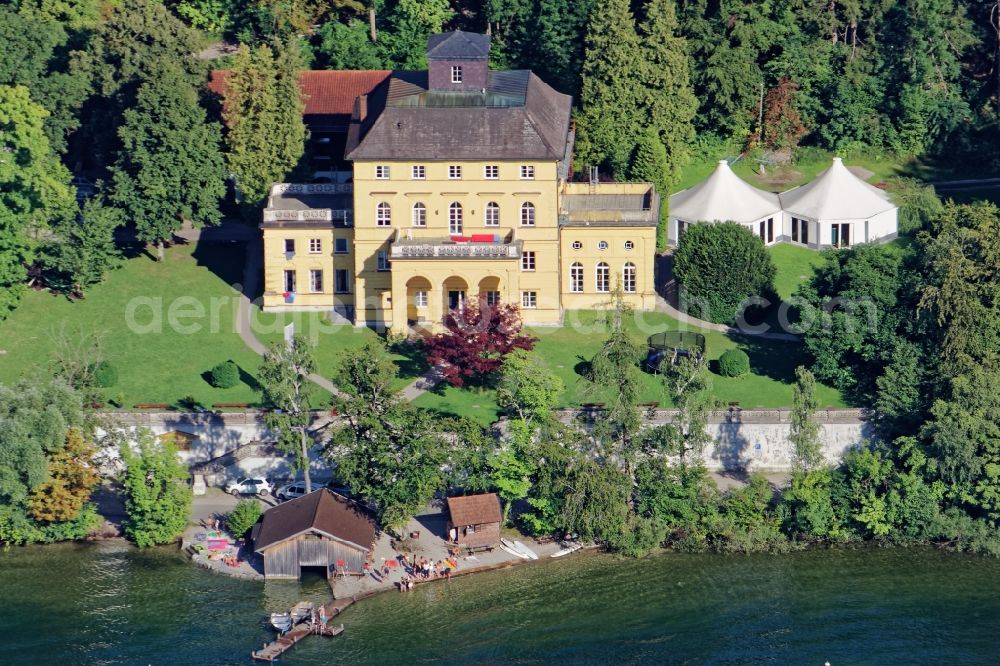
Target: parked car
[(340, 489), (249, 486), (291, 491)]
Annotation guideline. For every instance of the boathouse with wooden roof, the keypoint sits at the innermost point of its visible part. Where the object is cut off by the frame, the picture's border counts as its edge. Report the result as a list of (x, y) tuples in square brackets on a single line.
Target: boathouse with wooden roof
[(321, 529), (474, 520)]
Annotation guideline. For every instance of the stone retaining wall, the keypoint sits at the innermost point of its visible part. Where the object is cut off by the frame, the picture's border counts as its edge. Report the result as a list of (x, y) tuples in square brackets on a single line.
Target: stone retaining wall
[(744, 440)]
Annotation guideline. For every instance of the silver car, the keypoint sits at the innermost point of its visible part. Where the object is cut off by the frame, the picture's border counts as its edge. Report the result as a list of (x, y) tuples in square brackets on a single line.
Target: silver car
[(291, 491)]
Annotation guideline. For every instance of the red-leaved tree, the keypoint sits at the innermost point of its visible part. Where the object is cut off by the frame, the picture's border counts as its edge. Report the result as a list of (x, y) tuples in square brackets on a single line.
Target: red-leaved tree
[(476, 341)]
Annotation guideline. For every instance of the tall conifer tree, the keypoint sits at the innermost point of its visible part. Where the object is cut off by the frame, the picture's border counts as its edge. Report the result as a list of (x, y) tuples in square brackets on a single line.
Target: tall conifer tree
[(609, 123), (263, 110), (666, 99)]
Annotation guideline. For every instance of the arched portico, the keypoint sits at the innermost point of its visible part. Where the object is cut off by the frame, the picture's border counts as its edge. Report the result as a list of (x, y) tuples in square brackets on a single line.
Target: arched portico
[(455, 290), (418, 295), (489, 289)]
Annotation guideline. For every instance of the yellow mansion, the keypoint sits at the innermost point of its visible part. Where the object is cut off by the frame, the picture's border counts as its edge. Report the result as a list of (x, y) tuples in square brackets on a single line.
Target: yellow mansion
[(457, 189)]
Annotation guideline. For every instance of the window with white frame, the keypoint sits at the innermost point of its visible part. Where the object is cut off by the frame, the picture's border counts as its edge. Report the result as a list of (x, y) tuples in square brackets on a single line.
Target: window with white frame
[(419, 215), (527, 172), (383, 215), (603, 278), (576, 277), (418, 172), (289, 281), (456, 73), (529, 299), (383, 261), (316, 281), (454, 171), (340, 246), (577, 245), (629, 245), (315, 245), (492, 214), (491, 172), (628, 278), (527, 214), (382, 172), (528, 260), (455, 218), (342, 282), (602, 245), (420, 298)]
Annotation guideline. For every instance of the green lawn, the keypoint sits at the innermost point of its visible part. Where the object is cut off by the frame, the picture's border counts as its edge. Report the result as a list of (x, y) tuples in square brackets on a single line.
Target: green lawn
[(781, 178), (795, 265), (164, 363), (567, 350), (330, 340)]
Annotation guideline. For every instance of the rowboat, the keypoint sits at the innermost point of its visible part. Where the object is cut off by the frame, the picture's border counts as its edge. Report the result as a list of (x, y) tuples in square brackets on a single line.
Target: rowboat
[(524, 549), (509, 547), (571, 548)]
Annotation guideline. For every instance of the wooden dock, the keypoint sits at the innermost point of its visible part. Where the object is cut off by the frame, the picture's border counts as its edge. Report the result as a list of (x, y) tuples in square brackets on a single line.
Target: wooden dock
[(273, 650)]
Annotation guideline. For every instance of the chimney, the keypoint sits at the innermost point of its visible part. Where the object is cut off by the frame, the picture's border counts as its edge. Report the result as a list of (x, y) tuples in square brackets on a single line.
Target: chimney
[(360, 108)]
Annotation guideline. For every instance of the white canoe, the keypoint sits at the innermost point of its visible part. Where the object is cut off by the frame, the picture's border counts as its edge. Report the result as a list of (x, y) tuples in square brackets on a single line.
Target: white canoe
[(566, 551), (524, 549), (510, 549)]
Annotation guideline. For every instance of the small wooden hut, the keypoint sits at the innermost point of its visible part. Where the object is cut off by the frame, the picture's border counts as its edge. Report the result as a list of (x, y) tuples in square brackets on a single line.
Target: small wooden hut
[(321, 529), (474, 520)]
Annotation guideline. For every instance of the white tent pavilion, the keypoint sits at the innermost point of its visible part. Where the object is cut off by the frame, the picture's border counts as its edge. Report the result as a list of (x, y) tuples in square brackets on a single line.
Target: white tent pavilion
[(725, 197), (837, 209)]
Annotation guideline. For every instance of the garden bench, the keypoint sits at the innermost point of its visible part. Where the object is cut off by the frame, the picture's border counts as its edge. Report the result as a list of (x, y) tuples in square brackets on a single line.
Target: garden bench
[(152, 405), (230, 405), (469, 550)]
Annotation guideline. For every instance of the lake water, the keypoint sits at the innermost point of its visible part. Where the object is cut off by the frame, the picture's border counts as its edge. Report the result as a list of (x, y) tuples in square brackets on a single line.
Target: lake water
[(109, 603)]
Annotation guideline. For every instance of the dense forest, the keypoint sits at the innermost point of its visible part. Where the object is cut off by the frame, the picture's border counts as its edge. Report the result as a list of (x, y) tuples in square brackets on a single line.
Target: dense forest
[(105, 101)]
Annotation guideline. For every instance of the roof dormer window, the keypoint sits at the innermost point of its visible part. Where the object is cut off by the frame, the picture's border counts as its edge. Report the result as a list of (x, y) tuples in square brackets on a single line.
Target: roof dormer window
[(456, 73)]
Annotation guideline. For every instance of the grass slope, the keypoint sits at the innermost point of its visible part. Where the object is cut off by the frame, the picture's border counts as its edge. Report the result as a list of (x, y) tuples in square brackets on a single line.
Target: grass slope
[(567, 351), (795, 265), (158, 366)]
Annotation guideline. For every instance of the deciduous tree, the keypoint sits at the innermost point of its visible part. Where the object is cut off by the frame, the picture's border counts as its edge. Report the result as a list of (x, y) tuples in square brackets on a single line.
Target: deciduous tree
[(34, 189), (157, 497), (475, 342), (82, 250), (72, 477), (528, 389), (170, 169), (286, 390)]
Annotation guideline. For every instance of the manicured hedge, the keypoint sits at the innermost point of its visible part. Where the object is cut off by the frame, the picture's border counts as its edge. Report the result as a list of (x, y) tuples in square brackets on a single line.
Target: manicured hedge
[(734, 363), (719, 266), (225, 375)]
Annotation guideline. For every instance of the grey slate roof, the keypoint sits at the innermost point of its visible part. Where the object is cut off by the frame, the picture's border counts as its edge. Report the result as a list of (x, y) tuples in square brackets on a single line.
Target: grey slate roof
[(518, 117), (458, 45)]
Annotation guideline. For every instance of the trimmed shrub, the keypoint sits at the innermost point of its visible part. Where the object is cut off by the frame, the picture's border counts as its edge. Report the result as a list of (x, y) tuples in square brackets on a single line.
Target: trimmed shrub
[(719, 266), (242, 517), (105, 375), (225, 375), (734, 363)]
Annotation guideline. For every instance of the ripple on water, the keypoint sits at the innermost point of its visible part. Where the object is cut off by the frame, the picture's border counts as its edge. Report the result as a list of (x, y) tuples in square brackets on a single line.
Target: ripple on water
[(112, 604)]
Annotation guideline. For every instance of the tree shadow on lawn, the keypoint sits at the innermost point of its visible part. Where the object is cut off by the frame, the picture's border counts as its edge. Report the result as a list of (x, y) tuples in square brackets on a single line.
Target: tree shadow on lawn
[(225, 259), (414, 362), (774, 359)]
